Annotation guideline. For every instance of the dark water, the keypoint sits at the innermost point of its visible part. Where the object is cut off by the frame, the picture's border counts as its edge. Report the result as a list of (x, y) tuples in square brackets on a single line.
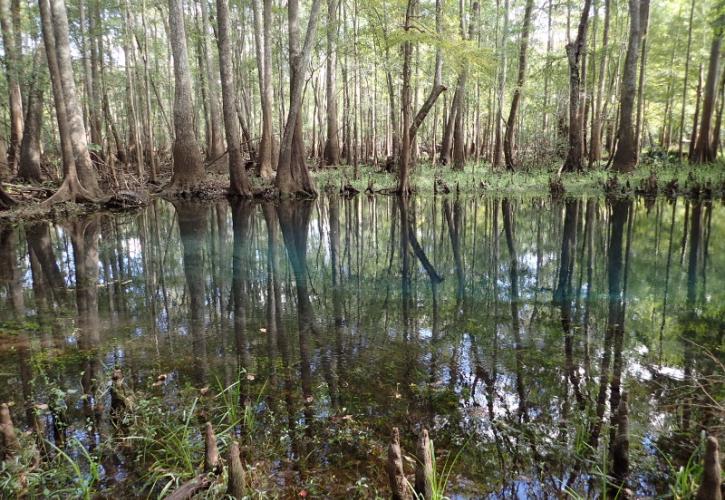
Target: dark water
[(509, 328)]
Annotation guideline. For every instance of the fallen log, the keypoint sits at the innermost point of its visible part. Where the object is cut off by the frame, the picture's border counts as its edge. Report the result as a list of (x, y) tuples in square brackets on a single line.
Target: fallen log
[(192, 487)]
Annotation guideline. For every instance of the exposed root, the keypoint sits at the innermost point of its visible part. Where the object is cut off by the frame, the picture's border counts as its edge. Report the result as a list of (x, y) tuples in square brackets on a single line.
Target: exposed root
[(71, 190), (6, 201)]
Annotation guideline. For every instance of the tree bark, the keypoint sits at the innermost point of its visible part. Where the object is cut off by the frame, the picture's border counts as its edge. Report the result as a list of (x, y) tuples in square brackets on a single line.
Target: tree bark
[(12, 61), (595, 144), (459, 145), (644, 24), (188, 165), (685, 84), (704, 152), (523, 52), (293, 178), (215, 141), (332, 142), (574, 51), (238, 182), (84, 165), (29, 167), (263, 44), (71, 189), (625, 157), (498, 142)]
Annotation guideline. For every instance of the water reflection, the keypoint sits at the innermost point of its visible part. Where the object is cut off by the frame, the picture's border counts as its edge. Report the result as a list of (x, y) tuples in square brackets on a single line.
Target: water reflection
[(512, 327)]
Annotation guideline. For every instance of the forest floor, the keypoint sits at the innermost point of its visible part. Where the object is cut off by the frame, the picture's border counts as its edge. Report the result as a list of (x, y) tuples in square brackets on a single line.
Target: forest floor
[(650, 179)]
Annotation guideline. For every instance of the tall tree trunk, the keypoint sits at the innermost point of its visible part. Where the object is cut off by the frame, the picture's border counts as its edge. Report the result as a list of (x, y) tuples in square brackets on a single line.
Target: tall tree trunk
[(298, 148), (95, 60), (15, 101), (188, 164), (263, 38), (215, 145), (71, 189), (238, 182), (644, 24), (135, 149), (29, 167), (508, 149), (410, 123), (718, 119), (150, 152), (684, 85), (547, 67), (703, 149), (405, 98), (696, 116), (293, 178), (595, 144), (574, 51), (498, 144), (459, 146), (332, 142), (625, 157), (87, 45), (84, 165)]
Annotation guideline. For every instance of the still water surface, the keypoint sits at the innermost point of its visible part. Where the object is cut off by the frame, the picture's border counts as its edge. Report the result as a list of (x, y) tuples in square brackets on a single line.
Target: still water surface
[(509, 327)]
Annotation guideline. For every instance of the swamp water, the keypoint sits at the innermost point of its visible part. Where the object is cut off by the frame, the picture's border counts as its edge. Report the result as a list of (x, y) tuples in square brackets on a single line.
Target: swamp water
[(510, 328)]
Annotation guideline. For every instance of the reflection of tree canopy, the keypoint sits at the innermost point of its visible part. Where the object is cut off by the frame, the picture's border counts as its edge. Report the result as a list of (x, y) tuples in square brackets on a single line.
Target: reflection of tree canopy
[(518, 322)]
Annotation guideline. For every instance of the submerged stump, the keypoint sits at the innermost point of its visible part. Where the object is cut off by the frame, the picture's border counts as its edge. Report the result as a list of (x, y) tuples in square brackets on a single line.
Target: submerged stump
[(121, 398)]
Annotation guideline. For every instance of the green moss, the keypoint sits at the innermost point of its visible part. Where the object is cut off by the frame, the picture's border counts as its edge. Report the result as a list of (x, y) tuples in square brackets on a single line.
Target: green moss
[(480, 178)]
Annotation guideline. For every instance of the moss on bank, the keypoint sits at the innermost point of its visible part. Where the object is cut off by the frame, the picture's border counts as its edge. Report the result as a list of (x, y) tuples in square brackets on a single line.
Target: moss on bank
[(480, 178)]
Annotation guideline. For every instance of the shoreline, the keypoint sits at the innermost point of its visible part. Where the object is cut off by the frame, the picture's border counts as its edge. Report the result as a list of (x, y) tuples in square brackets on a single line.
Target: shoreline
[(650, 181)]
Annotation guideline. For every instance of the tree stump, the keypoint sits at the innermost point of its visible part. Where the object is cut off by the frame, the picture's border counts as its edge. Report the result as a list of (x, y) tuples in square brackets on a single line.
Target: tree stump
[(396, 473), (211, 453), (424, 468), (10, 443), (236, 484), (121, 399), (711, 475)]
